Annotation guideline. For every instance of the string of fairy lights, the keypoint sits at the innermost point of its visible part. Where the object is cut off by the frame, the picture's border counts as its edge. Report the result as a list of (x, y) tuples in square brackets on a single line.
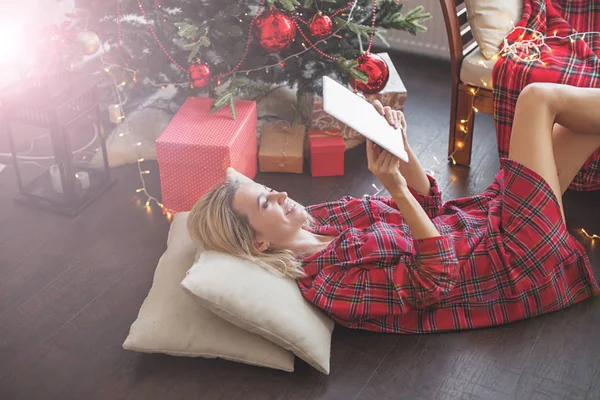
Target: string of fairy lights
[(522, 50)]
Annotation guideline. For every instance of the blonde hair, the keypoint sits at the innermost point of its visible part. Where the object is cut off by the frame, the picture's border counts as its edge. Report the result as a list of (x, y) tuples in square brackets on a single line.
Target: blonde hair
[(214, 225)]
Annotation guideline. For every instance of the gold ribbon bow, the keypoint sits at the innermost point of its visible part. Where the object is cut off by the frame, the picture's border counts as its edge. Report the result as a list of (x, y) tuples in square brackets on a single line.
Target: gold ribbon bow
[(325, 134)]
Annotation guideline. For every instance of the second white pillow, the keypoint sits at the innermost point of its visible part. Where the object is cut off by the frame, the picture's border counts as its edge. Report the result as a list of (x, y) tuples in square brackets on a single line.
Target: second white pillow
[(247, 296)]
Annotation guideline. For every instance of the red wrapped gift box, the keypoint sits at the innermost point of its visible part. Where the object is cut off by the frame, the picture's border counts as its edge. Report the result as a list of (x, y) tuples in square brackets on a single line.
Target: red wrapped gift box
[(195, 149), (326, 152)]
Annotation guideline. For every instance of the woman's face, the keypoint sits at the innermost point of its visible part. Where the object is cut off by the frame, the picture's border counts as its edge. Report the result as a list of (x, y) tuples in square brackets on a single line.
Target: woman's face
[(275, 217)]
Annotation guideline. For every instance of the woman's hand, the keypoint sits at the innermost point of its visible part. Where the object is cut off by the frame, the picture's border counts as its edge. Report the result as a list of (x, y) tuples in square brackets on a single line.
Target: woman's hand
[(384, 165), (394, 117)]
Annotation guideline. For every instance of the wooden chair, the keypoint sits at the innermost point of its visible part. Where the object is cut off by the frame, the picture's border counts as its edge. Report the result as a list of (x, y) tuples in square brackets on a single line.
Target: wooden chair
[(471, 81)]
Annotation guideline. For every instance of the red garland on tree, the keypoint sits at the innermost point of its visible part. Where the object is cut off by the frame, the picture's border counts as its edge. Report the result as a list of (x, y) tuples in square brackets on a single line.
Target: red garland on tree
[(376, 69), (320, 25), (274, 30), (200, 74)]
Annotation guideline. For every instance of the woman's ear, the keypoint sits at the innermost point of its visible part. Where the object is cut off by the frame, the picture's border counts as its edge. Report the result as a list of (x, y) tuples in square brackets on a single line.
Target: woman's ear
[(261, 245)]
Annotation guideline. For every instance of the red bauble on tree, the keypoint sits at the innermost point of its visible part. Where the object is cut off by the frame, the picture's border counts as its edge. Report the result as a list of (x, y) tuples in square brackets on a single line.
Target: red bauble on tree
[(274, 30), (376, 69), (320, 25), (200, 74)]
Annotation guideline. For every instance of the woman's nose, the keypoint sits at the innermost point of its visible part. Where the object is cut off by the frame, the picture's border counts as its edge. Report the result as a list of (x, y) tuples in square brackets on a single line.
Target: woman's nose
[(282, 196)]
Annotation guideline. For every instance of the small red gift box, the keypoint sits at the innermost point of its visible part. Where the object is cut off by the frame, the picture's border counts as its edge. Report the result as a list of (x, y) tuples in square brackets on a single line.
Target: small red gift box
[(326, 152), (195, 149)]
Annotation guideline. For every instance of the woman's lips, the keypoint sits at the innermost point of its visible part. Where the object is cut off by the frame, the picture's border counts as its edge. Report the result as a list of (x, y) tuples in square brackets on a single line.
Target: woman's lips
[(291, 208)]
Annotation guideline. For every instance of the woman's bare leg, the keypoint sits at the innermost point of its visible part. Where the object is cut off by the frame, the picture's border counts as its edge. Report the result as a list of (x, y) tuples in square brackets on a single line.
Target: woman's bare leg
[(571, 151), (538, 108)]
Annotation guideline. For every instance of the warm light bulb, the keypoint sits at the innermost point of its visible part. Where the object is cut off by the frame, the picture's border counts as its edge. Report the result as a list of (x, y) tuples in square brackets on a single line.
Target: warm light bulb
[(121, 134), (138, 144), (116, 106), (592, 236), (460, 145), (462, 121), (139, 190), (146, 172), (475, 109), (453, 160), (148, 203), (140, 159)]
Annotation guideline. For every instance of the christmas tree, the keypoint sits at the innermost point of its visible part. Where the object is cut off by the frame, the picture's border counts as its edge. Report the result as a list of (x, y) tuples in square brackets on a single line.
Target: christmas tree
[(228, 48)]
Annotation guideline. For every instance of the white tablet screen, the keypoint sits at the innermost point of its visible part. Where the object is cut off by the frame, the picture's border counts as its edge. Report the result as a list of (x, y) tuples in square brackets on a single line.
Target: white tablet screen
[(361, 116)]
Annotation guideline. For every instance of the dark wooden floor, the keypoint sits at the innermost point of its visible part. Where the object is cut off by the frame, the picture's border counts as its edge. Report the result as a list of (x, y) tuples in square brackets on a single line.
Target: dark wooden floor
[(69, 289)]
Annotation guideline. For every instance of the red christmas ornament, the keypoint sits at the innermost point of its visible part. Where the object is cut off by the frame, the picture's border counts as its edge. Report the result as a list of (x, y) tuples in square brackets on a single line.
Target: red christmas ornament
[(376, 69), (200, 74), (320, 25), (274, 30)]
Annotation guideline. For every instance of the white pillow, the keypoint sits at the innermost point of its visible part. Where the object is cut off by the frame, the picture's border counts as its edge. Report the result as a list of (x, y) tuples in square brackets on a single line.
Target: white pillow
[(260, 302), (232, 175), (491, 20), (172, 322)]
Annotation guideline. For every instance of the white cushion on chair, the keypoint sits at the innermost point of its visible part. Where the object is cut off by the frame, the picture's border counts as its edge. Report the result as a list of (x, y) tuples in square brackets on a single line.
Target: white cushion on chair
[(476, 70), (491, 20)]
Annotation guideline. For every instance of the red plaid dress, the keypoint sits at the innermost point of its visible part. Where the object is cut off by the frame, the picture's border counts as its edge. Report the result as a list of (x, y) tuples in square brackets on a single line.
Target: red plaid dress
[(502, 256)]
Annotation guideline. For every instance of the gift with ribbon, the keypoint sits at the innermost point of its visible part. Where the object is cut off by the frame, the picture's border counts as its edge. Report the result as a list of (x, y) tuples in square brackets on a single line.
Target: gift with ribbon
[(282, 148), (326, 149)]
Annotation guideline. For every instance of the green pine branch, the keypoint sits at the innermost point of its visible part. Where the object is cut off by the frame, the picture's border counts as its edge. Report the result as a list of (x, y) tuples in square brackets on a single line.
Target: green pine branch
[(410, 22), (235, 88), (362, 30), (350, 67), (288, 5)]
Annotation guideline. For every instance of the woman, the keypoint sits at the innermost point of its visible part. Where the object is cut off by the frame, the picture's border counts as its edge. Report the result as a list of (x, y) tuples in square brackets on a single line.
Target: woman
[(408, 264)]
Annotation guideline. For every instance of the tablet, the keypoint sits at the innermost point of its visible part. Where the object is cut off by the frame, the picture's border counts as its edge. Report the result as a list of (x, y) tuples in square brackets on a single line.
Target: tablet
[(360, 115)]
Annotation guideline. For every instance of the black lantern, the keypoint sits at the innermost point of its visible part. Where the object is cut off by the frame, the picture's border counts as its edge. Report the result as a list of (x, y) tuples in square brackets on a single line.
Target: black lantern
[(70, 167)]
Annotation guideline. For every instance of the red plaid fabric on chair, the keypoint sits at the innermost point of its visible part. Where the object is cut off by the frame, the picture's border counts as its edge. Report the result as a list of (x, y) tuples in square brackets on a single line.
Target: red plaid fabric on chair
[(572, 62)]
